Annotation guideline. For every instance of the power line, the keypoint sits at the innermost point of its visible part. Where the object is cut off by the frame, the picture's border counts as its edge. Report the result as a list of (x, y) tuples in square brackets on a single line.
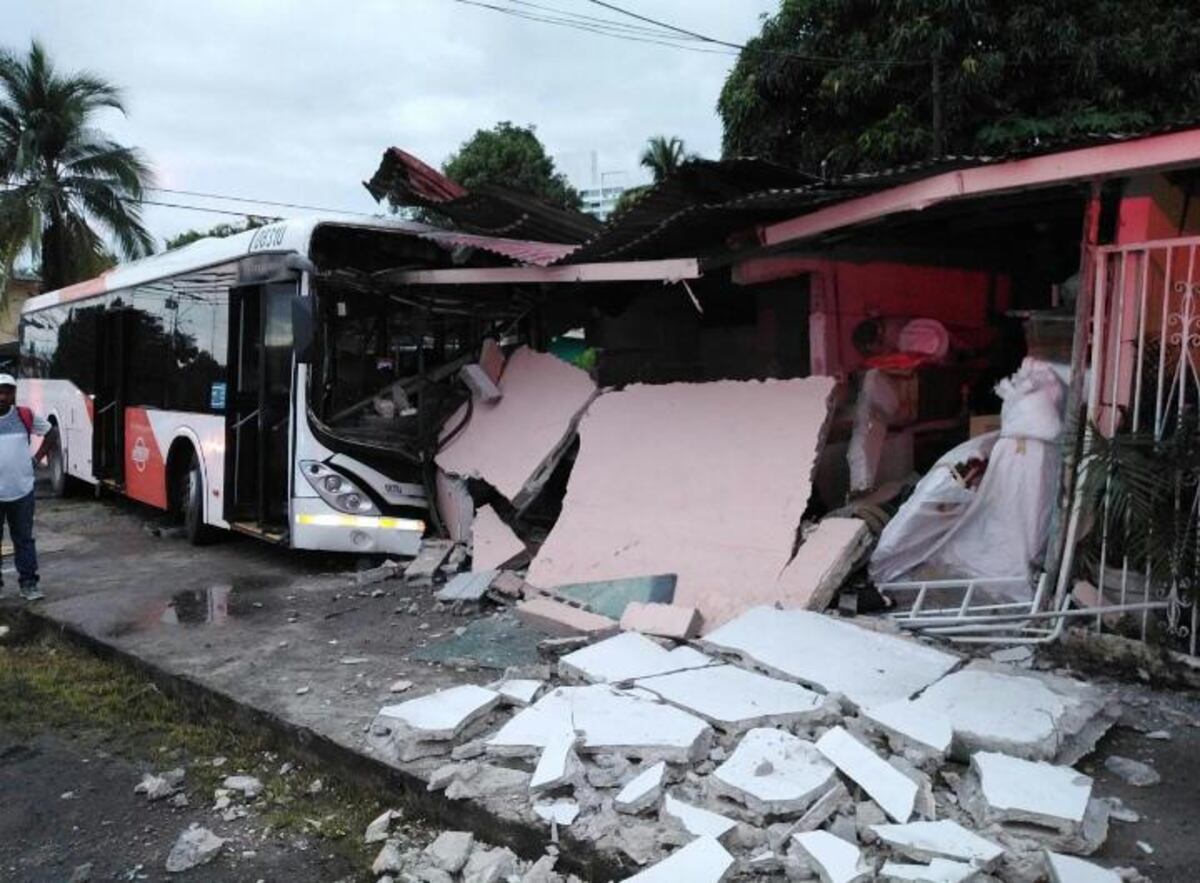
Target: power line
[(200, 208), (249, 201)]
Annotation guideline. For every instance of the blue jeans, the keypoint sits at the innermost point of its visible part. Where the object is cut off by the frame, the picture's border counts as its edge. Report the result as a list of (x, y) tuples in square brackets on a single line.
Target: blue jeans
[(19, 515)]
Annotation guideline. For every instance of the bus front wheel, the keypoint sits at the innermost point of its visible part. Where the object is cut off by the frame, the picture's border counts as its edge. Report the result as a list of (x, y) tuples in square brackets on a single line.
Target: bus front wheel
[(191, 504)]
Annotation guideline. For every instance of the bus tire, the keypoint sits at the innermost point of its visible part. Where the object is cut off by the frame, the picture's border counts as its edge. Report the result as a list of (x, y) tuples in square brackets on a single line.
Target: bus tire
[(56, 466), (191, 504)]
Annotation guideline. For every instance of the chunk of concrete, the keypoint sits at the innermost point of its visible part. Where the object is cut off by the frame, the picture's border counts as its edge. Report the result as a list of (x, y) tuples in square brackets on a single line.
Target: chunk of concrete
[(195, 846), (562, 620), (493, 543), (1068, 869), (514, 443), (443, 715), (696, 820), (429, 559), (868, 667), (695, 495), (518, 691), (735, 699), (895, 793), (509, 584), (250, 786), (823, 562), (939, 870), (560, 812), (467, 586), (626, 657), (1029, 714), (490, 866), (772, 772), (823, 808), (610, 721), (642, 791), (944, 839), (1016, 790), (377, 831), (664, 620), (703, 860), (834, 860), (450, 850), (1133, 772), (908, 727), (558, 764)]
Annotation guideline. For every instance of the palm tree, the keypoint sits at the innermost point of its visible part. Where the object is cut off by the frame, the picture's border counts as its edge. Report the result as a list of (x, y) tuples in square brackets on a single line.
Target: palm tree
[(64, 178), (664, 155)]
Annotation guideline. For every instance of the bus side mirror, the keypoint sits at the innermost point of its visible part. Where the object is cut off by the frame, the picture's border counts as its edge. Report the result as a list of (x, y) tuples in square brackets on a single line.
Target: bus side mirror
[(303, 330)]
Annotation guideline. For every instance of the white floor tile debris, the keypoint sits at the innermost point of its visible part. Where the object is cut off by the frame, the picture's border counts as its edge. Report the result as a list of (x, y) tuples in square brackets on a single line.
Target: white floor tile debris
[(610, 720), (773, 772), (908, 725), (946, 839), (442, 715), (704, 860), (642, 791), (626, 657), (735, 699), (558, 764), (1031, 791), (820, 651), (895, 793), (518, 691), (939, 870), (1068, 869), (834, 860), (697, 820)]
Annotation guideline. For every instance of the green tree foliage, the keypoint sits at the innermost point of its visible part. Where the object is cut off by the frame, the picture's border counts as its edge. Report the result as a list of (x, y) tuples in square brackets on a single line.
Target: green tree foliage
[(66, 178), (220, 231), (512, 157), (664, 155), (861, 84)]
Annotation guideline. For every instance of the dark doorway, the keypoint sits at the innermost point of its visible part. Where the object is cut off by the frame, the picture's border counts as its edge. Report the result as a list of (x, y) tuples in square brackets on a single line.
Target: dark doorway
[(108, 422)]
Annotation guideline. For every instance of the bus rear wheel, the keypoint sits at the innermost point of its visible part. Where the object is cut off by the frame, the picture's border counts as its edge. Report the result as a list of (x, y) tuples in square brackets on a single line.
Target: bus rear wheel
[(57, 468), (191, 505)]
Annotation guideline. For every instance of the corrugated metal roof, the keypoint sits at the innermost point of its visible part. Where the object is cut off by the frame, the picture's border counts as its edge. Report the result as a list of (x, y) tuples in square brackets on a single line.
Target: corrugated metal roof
[(538, 254)]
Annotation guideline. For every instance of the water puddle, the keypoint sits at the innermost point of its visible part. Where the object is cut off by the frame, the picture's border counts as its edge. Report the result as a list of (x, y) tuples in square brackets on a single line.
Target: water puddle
[(214, 605)]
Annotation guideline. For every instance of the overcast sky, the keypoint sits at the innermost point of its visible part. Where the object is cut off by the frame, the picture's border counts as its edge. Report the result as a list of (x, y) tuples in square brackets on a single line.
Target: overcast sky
[(295, 100)]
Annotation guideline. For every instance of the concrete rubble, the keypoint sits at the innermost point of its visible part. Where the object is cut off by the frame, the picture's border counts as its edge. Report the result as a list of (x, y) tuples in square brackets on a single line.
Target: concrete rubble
[(493, 543), (196, 846), (1068, 869), (642, 791), (774, 773), (703, 860), (834, 860)]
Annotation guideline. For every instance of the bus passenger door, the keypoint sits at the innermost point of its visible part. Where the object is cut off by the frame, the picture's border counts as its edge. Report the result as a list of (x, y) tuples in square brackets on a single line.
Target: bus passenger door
[(258, 409), (108, 416)]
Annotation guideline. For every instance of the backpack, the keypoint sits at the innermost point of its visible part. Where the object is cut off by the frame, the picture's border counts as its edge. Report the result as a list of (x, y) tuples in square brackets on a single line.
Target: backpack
[(26, 416)]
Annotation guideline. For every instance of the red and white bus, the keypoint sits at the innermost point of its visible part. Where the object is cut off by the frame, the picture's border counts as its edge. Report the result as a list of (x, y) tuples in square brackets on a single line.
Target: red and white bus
[(273, 382)]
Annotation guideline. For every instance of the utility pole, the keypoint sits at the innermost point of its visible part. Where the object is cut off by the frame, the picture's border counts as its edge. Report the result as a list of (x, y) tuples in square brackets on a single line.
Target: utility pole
[(936, 98)]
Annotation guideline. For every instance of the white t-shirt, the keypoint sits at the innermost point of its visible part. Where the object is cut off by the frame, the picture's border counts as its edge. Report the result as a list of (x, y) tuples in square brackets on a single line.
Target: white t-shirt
[(16, 455)]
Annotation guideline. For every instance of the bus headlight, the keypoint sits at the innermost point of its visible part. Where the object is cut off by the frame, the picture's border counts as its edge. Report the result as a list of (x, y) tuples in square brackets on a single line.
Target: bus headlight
[(337, 490)]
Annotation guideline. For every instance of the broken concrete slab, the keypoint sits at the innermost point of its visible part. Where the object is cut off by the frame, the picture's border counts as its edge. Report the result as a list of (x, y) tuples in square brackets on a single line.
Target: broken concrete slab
[(691, 497), (895, 793), (944, 839), (939, 870), (558, 764), (774, 773), (627, 657), (490, 865), (450, 850), (514, 443), (696, 820), (442, 715), (467, 586), (834, 860), (909, 727), (518, 691), (430, 557), (562, 620), (611, 597), (735, 699), (703, 860), (642, 791), (493, 543), (834, 798), (664, 620), (610, 720), (1029, 714), (868, 667), (1068, 869), (483, 780), (1016, 790), (823, 562)]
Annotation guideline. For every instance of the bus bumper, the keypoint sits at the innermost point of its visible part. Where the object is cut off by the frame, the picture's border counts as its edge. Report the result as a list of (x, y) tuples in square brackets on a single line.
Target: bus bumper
[(317, 526)]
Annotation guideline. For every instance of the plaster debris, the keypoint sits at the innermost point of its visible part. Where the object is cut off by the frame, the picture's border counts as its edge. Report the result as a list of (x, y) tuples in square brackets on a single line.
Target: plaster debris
[(156, 787), (939, 870), (626, 657), (698, 821), (481, 780), (377, 831), (493, 543), (773, 772), (823, 562), (834, 860), (818, 650), (945, 839), (895, 793), (196, 846), (509, 584), (518, 691), (467, 586), (514, 443), (1015, 790), (1027, 714), (822, 809), (665, 620), (1133, 772), (735, 699), (558, 764), (450, 851), (1021, 655), (907, 726), (490, 866), (428, 560), (400, 686), (250, 786), (610, 720), (563, 620), (633, 509), (388, 859), (385, 571), (443, 715), (1068, 869), (703, 860), (642, 791), (561, 812), (455, 505)]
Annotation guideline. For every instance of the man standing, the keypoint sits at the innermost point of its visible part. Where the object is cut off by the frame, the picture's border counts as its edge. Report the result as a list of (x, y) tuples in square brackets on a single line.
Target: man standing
[(17, 425)]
